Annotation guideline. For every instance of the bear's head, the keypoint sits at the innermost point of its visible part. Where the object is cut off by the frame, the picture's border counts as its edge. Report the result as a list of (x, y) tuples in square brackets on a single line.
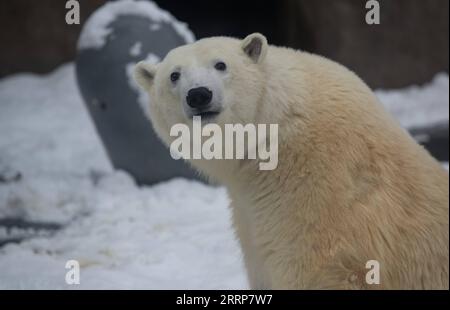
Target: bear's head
[(220, 79)]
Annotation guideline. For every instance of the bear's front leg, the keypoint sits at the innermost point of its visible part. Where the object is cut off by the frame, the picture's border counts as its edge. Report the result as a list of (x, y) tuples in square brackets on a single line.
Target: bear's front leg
[(256, 273)]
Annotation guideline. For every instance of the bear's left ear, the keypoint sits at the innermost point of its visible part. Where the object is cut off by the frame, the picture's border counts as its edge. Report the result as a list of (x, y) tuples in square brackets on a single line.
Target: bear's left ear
[(144, 74), (255, 46)]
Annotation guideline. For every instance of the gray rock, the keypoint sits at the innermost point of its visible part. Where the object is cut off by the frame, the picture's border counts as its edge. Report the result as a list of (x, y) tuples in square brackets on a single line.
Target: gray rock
[(113, 103)]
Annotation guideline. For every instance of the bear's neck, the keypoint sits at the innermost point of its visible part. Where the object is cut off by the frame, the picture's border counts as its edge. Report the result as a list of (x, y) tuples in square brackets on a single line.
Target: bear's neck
[(251, 187)]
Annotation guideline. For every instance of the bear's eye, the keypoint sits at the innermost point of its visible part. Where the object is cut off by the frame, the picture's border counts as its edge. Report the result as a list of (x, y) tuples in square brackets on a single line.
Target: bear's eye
[(175, 76), (221, 66)]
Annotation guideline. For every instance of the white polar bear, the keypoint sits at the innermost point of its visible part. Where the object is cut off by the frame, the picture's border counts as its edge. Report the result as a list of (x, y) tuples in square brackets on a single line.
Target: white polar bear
[(351, 185)]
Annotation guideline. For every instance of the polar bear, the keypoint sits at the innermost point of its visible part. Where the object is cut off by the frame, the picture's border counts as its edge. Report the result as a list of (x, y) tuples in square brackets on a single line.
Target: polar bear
[(354, 203)]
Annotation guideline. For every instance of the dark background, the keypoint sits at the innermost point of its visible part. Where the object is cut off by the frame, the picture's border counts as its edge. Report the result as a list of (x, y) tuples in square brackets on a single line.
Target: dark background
[(408, 47)]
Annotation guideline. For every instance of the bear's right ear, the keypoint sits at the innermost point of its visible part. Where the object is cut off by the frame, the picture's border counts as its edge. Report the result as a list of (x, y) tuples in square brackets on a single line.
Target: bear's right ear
[(144, 74), (255, 46)]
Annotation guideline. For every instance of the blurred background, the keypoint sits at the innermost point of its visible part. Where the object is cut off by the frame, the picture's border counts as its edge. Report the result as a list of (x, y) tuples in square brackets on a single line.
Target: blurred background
[(81, 175), (408, 47)]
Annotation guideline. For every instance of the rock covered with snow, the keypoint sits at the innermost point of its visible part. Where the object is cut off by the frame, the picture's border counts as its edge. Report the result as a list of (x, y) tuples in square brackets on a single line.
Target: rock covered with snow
[(98, 27), (116, 37)]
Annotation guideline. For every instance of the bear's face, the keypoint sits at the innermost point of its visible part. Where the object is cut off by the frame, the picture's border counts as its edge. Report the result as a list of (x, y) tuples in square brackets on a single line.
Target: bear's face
[(219, 79)]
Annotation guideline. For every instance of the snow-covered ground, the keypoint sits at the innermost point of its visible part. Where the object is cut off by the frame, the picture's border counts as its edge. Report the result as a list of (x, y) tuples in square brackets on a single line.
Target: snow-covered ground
[(53, 169), (419, 106), (173, 235)]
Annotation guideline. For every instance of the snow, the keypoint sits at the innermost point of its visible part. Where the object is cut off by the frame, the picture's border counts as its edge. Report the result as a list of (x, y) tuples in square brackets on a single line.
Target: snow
[(97, 29), (419, 106), (174, 235), (155, 27), (152, 58), (143, 98), (136, 49)]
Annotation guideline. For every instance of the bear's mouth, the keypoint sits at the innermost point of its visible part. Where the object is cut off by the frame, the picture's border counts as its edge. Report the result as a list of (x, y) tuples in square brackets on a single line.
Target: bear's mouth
[(207, 114)]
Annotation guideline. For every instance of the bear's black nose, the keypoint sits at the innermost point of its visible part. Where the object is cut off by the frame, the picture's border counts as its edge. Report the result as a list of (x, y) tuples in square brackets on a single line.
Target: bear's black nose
[(199, 97)]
